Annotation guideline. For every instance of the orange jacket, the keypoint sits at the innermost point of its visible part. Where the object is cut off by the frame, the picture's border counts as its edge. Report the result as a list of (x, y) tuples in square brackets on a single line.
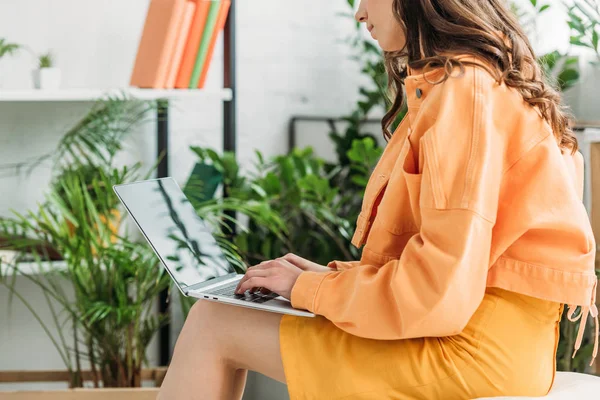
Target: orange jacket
[(472, 191)]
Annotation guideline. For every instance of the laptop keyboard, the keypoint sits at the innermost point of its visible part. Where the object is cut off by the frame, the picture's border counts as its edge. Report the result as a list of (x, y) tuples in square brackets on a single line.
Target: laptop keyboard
[(229, 291)]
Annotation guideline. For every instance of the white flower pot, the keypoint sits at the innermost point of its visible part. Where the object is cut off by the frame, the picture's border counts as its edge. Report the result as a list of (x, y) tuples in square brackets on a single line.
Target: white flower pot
[(46, 78)]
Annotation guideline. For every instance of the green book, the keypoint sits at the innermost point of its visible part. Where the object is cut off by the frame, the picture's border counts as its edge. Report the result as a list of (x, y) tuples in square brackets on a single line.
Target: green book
[(209, 27)]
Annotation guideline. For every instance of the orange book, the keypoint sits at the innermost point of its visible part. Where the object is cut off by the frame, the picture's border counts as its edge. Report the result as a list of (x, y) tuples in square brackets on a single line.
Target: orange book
[(157, 44), (193, 42), (184, 31), (221, 19)]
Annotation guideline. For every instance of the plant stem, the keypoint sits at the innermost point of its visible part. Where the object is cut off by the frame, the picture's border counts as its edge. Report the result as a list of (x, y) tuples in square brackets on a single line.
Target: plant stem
[(58, 327), (77, 381), (129, 355), (93, 361), (329, 233)]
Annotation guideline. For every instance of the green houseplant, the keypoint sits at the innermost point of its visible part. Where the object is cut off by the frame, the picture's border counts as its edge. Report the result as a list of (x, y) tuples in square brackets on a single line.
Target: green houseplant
[(101, 295), (47, 75), (296, 207), (114, 281), (584, 24)]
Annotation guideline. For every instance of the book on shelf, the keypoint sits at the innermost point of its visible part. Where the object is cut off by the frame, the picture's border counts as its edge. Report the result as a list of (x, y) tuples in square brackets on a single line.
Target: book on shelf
[(182, 36), (221, 19), (209, 28), (157, 43), (178, 42), (193, 42)]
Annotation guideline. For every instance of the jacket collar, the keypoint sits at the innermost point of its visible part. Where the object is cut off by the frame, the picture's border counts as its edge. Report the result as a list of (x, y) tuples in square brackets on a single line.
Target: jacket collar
[(418, 83)]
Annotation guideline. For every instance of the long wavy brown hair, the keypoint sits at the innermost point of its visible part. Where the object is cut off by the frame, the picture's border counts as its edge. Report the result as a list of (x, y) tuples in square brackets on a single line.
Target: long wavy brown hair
[(438, 31)]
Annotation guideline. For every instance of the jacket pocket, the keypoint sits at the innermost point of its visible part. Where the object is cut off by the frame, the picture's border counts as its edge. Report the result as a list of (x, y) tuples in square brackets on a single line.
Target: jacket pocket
[(399, 210), (413, 178)]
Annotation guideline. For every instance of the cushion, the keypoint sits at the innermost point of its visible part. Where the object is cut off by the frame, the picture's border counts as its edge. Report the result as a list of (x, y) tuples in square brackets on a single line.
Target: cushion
[(567, 386)]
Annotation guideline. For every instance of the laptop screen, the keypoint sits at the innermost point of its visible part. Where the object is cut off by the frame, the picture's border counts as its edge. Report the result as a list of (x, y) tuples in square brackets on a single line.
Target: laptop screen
[(178, 235)]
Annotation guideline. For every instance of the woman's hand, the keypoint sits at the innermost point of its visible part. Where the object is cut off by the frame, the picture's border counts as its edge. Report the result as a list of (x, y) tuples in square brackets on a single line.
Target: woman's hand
[(277, 276), (304, 264)]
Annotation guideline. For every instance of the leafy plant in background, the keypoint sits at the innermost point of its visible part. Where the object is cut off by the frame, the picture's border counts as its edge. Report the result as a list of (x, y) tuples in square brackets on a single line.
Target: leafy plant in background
[(46, 60), (560, 68), (584, 20), (100, 297), (568, 333), (7, 49), (114, 280), (301, 211), (528, 16)]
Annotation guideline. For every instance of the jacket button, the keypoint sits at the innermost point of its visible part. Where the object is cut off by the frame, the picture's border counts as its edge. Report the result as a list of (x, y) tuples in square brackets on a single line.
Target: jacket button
[(419, 93)]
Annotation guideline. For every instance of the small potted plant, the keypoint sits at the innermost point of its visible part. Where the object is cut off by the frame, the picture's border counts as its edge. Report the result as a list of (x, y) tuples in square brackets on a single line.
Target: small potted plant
[(47, 76)]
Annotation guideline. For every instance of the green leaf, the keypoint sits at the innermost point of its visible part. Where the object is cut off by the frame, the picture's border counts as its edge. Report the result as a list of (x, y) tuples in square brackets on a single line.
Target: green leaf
[(568, 75), (8, 48), (577, 41), (544, 8), (266, 248), (567, 78), (533, 2), (548, 60), (259, 190), (272, 183), (360, 180), (261, 159), (287, 170), (595, 39), (572, 60)]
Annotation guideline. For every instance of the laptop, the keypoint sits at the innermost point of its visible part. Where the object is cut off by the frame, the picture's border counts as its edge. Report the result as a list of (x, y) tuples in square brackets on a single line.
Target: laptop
[(187, 249)]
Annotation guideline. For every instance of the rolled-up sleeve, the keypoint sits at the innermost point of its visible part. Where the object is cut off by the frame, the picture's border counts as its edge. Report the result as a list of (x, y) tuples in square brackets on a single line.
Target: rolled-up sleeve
[(431, 290)]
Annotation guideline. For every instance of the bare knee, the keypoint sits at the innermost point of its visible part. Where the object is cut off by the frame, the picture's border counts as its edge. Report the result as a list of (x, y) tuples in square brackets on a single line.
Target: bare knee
[(212, 326), (202, 322), (210, 323), (207, 316)]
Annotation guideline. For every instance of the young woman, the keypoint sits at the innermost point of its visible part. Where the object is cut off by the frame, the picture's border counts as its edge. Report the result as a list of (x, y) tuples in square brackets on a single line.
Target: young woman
[(474, 232)]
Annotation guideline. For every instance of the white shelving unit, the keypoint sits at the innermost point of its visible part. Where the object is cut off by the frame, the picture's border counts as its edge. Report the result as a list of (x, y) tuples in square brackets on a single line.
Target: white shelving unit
[(162, 97), (34, 268), (90, 95)]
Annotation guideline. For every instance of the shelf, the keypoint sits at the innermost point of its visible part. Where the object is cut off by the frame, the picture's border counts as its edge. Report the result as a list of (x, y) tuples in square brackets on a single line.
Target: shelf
[(588, 135), (91, 95), (33, 268)]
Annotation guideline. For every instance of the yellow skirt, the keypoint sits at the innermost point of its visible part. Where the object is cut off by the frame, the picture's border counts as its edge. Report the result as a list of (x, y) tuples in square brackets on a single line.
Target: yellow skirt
[(507, 349)]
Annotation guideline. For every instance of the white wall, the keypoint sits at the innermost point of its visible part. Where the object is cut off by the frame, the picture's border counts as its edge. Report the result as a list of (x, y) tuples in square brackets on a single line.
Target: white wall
[(289, 62)]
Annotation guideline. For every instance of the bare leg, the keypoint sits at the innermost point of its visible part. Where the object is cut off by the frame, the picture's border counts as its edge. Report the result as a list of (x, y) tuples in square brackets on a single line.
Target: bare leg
[(216, 347)]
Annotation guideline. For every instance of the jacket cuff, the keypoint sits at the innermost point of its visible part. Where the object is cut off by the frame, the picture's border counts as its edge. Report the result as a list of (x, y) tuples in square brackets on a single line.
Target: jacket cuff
[(341, 265), (305, 289)]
